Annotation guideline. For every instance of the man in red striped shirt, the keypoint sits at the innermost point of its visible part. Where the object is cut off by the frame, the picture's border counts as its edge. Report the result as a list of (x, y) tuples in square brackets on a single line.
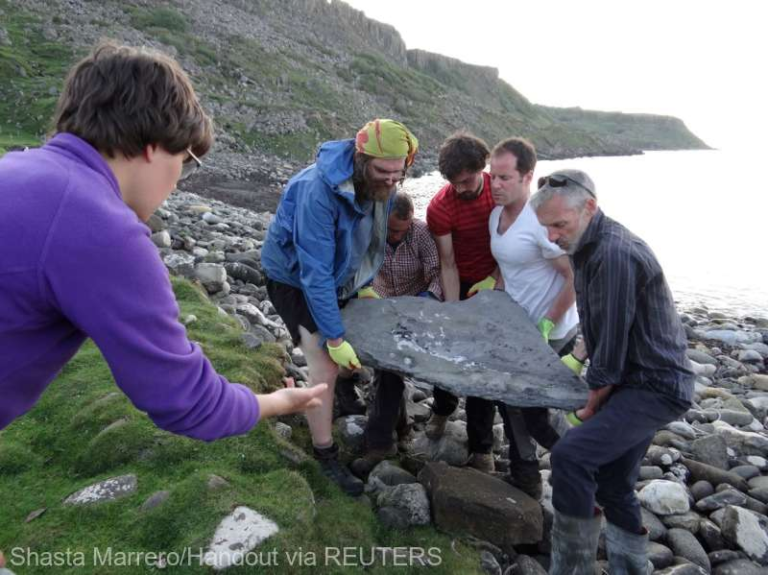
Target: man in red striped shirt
[(458, 218)]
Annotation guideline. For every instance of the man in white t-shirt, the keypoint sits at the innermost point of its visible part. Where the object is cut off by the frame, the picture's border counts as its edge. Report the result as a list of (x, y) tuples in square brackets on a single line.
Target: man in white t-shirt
[(537, 275)]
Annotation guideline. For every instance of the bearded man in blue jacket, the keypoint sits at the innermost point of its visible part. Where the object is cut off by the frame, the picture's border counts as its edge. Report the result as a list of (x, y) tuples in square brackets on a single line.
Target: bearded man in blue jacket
[(326, 243)]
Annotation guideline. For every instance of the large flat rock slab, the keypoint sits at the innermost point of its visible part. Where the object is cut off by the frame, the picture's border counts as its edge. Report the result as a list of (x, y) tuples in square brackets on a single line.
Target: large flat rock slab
[(482, 347)]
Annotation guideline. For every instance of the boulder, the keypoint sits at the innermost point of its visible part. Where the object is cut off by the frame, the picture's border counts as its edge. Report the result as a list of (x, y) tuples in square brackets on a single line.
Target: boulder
[(237, 535), (107, 490), (747, 530), (684, 544), (664, 497), (465, 501), (713, 475), (411, 499), (711, 449), (450, 448), (463, 349)]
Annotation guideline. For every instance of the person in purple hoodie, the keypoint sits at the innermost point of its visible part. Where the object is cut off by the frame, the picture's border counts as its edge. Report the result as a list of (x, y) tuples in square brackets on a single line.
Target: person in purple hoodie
[(78, 262)]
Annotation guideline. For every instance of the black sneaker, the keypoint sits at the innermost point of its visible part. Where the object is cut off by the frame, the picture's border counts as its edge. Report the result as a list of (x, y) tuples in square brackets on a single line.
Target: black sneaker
[(336, 472), (347, 399)]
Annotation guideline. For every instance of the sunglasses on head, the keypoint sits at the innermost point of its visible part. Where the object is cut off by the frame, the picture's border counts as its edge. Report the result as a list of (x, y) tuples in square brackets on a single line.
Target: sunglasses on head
[(560, 181), (190, 165)]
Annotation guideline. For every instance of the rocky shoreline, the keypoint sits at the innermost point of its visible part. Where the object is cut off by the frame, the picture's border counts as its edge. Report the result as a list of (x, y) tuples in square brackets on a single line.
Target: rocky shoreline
[(703, 484)]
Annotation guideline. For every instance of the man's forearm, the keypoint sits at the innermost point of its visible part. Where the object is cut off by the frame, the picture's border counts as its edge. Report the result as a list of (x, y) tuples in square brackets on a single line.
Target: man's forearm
[(449, 276), (562, 303)]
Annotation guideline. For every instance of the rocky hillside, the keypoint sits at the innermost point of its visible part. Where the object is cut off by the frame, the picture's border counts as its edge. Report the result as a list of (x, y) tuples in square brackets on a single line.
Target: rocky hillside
[(282, 75)]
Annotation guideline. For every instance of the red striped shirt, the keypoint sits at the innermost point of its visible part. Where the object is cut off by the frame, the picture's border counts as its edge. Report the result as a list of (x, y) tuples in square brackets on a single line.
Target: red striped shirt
[(467, 222)]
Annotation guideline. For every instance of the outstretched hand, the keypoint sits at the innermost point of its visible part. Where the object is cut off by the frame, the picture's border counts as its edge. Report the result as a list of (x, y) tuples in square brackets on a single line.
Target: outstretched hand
[(291, 399)]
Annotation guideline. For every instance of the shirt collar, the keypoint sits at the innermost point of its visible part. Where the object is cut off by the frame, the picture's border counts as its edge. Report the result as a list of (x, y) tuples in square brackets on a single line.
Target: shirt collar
[(78, 148), (592, 231)]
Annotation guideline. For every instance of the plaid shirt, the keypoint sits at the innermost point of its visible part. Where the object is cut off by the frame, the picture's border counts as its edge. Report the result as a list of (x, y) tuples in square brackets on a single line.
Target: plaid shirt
[(412, 267)]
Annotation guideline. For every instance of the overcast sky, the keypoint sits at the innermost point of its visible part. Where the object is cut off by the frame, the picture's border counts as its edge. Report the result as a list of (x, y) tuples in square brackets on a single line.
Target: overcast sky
[(704, 62)]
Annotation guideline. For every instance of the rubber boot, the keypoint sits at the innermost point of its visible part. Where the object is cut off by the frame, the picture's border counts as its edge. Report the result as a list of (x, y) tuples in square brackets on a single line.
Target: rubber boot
[(574, 545), (627, 552), (348, 400)]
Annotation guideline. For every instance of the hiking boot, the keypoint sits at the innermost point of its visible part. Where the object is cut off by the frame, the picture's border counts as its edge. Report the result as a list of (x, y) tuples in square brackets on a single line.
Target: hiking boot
[(347, 398), (435, 426), (526, 477), (365, 464), (482, 462), (328, 458)]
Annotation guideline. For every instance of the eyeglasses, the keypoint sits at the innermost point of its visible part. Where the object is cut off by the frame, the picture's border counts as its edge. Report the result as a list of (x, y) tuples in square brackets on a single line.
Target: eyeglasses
[(190, 165), (560, 181)]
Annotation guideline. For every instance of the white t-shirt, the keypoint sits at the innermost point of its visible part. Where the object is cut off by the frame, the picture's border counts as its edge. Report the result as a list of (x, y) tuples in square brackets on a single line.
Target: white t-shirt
[(523, 253)]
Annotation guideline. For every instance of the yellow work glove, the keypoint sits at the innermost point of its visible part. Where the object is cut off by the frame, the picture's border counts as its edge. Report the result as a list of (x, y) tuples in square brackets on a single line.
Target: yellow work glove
[(368, 293), (344, 355), (545, 326), (572, 363), (573, 419), (487, 283)]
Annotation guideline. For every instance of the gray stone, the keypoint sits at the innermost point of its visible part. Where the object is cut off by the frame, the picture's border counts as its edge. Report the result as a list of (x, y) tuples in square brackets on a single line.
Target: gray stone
[(35, 514), (283, 429), (746, 472), (237, 535), (718, 500), (216, 482), (351, 431), (686, 545), (245, 273), (750, 356), (736, 417), (410, 498), (440, 343), (656, 529), (5, 40), (739, 567), (393, 518), (489, 564), (683, 429), (748, 531), (650, 472), (682, 569), (700, 357), (212, 276), (689, 521), (179, 263), (664, 497), (760, 482), (155, 223), (161, 239), (761, 494), (107, 490), (390, 474), (723, 556), (711, 535), (466, 501), (525, 565), (251, 340), (713, 475), (450, 448), (155, 500), (711, 450), (701, 489), (660, 555)]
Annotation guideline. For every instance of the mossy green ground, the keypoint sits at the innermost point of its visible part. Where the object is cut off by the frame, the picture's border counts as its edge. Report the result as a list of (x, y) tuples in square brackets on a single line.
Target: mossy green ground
[(61, 446)]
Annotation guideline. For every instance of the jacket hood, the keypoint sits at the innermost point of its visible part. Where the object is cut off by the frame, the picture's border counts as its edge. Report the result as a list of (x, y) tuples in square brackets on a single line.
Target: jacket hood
[(335, 161)]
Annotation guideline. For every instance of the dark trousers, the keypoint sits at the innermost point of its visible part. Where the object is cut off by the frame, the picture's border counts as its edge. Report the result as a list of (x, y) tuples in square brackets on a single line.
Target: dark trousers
[(600, 459), (526, 423), (480, 412), (387, 411)]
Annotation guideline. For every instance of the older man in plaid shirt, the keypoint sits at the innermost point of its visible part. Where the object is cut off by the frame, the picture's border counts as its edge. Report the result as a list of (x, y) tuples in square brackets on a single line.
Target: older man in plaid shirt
[(411, 267)]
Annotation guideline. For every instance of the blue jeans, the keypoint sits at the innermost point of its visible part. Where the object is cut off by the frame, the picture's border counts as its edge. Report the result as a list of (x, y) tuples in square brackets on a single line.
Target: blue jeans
[(600, 459)]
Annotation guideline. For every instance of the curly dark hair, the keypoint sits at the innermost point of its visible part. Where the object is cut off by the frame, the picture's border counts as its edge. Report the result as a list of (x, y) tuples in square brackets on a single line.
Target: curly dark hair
[(462, 151)]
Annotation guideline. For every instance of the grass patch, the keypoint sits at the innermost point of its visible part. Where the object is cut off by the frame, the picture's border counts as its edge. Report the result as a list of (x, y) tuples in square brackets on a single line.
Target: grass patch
[(84, 430)]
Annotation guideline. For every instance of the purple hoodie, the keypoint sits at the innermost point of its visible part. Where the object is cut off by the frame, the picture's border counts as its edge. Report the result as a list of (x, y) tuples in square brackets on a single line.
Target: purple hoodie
[(76, 262)]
